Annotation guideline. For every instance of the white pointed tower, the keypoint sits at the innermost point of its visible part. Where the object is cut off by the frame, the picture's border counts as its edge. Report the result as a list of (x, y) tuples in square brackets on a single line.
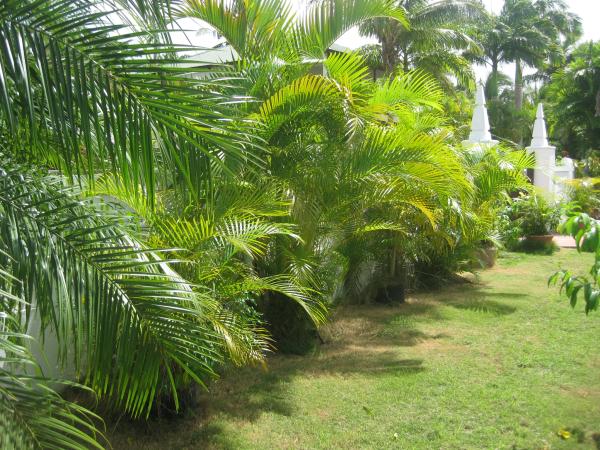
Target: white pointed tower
[(545, 155), (480, 124)]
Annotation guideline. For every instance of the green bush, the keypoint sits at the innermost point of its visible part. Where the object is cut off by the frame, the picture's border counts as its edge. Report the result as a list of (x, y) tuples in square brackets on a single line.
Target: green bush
[(586, 231), (528, 215), (534, 215), (585, 193)]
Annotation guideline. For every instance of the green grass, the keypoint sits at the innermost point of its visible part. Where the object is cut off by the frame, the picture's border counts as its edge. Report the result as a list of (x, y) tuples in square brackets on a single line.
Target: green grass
[(502, 364)]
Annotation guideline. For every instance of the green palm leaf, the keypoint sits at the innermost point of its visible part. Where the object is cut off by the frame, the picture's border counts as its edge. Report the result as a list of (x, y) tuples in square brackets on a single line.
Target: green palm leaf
[(113, 304), (107, 99), (32, 415), (327, 20)]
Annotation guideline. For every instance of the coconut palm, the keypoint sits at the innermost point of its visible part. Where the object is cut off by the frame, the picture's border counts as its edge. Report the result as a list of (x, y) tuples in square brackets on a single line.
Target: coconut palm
[(534, 32), (432, 39)]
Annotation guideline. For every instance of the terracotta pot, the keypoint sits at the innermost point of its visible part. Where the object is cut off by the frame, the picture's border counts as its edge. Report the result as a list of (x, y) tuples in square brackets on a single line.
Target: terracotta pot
[(542, 239), (486, 256)]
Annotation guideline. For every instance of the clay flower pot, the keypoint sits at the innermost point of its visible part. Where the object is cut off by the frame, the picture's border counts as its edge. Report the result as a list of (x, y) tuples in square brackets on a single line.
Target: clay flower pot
[(542, 239)]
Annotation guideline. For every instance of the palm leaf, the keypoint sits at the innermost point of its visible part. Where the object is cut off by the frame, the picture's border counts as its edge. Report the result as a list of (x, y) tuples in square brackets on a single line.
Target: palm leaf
[(107, 100), (32, 415), (327, 20), (113, 304)]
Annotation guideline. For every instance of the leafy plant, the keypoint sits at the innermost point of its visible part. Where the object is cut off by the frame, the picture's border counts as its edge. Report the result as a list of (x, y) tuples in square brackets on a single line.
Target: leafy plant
[(574, 94), (586, 232), (186, 171), (33, 415), (585, 193), (432, 42), (534, 215)]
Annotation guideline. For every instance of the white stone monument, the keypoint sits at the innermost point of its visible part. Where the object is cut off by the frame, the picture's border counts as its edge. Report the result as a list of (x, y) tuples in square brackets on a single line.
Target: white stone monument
[(547, 176), (480, 124), (545, 155)]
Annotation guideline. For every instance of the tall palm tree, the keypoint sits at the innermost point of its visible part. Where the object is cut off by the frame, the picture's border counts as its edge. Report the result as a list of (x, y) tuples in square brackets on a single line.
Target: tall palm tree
[(432, 39), (490, 34), (534, 31)]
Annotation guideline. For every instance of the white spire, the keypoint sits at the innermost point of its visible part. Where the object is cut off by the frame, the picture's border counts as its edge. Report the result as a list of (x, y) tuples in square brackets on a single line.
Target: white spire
[(480, 124), (540, 137)]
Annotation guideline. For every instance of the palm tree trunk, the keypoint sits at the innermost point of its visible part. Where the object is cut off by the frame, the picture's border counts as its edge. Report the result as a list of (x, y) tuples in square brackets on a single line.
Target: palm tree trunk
[(494, 81), (518, 85), (388, 55)]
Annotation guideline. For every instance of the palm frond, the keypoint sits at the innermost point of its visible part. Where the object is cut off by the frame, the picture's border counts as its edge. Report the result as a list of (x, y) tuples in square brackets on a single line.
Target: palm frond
[(327, 20), (253, 28), (105, 98), (113, 304), (33, 415)]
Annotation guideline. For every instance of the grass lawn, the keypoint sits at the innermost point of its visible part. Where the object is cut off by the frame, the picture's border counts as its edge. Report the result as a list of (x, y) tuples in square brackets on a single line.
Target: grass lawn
[(501, 364)]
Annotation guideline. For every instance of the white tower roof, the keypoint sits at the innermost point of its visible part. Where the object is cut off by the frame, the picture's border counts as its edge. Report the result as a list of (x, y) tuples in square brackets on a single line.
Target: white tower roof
[(480, 124), (540, 137)]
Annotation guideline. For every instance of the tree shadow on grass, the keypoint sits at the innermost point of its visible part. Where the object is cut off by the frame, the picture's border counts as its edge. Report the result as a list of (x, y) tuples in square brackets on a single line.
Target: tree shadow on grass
[(359, 341), (482, 299), (484, 306), (596, 439)]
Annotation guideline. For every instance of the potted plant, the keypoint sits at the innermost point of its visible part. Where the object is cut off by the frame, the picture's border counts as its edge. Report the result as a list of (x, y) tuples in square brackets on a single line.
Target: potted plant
[(536, 218)]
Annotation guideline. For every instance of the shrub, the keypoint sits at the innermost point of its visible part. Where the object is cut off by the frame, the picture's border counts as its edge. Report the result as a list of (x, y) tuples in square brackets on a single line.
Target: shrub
[(585, 193), (526, 216), (534, 215)]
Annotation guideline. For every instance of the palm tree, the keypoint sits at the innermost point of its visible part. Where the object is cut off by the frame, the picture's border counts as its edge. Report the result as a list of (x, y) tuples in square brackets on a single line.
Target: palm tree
[(491, 36), (431, 40), (148, 217), (533, 32), (380, 160), (574, 99), (111, 149), (269, 28)]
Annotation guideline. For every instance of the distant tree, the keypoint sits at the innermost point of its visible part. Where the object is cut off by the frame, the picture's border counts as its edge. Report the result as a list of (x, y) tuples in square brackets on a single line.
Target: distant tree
[(507, 122), (574, 99), (433, 39), (373, 57), (491, 36), (534, 32)]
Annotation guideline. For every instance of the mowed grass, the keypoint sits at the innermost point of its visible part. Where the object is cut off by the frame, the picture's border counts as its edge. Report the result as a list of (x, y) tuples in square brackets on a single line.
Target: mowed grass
[(504, 363)]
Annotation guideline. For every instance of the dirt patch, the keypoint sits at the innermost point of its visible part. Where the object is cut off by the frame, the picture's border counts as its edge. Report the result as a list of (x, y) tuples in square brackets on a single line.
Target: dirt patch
[(581, 391)]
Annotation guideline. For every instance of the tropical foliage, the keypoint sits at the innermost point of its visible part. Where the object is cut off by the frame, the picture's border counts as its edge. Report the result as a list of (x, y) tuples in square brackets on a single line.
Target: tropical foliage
[(432, 40), (574, 94), (531, 33), (535, 34), (160, 220)]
